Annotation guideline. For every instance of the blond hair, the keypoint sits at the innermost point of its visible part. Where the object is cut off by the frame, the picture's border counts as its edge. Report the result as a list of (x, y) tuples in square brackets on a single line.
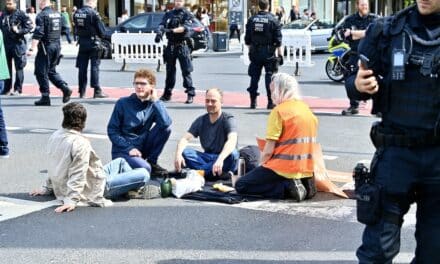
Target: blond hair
[(285, 87)]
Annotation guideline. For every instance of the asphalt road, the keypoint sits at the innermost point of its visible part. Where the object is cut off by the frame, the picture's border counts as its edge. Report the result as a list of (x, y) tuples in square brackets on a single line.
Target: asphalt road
[(323, 230)]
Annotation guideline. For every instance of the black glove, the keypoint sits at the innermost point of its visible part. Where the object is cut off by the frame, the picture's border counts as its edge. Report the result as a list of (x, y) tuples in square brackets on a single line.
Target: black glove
[(158, 38), (280, 60)]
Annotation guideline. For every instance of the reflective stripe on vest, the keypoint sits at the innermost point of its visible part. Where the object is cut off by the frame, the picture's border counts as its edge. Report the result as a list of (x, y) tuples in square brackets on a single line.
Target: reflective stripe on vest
[(292, 157), (297, 141)]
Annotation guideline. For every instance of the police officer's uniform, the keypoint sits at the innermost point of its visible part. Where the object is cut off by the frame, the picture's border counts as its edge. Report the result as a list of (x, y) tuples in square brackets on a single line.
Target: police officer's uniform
[(263, 35), (404, 54), (48, 31), (355, 22), (177, 48), (89, 29), (15, 45)]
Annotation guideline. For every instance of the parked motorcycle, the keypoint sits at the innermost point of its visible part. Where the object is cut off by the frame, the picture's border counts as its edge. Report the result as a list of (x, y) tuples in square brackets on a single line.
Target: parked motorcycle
[(337, 66)]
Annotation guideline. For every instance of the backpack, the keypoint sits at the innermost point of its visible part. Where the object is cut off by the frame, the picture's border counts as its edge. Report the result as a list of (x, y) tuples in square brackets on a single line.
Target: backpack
[(251, 156)]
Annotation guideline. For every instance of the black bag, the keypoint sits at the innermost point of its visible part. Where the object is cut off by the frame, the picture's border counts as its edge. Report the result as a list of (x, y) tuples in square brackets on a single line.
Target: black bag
[(251, 156)]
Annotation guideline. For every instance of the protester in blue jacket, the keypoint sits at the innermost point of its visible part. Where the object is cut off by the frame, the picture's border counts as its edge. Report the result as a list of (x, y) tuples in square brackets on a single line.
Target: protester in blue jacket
[(140, 125)]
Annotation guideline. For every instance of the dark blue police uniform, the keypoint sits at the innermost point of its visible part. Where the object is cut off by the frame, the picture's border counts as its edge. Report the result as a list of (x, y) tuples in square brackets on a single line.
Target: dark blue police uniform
[(263, 36), (355, 22), (177, 48), (404, 53), (15, 45), (89, 29), (48, 31)]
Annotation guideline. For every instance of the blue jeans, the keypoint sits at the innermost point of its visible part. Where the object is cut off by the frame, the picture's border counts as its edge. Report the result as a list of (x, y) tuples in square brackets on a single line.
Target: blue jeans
[(407, 175), (4, 150), (67, 33), (151, 148), (263, 181), (204, 161), (121, 178)]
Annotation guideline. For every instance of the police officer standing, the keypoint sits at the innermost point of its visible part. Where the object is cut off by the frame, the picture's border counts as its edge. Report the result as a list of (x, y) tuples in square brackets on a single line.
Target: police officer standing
[(176, 24), (403, 79), (355, 26), (14, 24), (46, 37), (263, 36), (89, 29)]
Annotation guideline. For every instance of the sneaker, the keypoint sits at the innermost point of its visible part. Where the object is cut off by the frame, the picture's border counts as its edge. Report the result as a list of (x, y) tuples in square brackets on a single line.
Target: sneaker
[(350, 111), (147, 192), (158, 171), (297, 190), (151, 192)]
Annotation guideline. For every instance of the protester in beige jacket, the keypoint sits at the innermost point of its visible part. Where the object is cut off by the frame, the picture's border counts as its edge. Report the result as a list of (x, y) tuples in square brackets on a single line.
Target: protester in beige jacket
[(76, 175)]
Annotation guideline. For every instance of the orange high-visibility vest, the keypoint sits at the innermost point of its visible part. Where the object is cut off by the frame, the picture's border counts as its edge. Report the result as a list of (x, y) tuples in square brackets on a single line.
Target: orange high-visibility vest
[(293, 151)]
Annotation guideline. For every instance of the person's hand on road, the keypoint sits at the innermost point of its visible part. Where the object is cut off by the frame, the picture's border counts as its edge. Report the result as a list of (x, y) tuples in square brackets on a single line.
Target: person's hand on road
[(134, 152), (65, 208), (365, 81), (38, 192)]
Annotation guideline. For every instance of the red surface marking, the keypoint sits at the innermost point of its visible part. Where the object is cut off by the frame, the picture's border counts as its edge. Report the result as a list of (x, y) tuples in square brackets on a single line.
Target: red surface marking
[(237, 99)]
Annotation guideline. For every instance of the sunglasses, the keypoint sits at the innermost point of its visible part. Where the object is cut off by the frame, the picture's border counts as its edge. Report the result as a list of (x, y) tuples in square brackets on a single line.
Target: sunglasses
[(140, 83)]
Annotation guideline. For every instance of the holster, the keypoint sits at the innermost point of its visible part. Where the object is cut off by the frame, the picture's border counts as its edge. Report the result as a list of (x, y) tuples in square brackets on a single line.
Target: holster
[(368, 194)]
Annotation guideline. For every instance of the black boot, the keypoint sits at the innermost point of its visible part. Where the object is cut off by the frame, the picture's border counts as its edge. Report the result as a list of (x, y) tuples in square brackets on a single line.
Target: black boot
[(99, 94), (44, 101), (253, 102), (189, 99), (66, 94), (165, 97), (270, 104)]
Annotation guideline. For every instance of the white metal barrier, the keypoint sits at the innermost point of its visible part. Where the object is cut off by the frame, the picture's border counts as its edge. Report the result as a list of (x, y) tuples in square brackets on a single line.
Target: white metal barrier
[(297, 50), (137, 48)]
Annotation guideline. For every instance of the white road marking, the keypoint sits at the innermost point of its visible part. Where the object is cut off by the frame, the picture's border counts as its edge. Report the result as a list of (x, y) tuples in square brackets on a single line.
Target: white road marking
[(12, 208)]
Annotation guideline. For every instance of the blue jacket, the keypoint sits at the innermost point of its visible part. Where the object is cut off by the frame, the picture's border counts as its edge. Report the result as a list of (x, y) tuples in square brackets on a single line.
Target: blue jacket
[(131, 121)]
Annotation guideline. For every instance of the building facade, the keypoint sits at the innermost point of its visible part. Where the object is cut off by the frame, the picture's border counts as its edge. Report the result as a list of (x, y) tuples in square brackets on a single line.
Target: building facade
[(223, 12)]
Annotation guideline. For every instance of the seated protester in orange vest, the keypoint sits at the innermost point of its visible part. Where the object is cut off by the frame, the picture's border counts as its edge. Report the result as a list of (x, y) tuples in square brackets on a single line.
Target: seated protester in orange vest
[(77, 176), (287, 158), (218, 136)]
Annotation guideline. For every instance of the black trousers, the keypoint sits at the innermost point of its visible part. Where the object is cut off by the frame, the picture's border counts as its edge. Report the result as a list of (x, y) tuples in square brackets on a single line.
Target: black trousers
[(16, 53), (182, 53), (47, 59)]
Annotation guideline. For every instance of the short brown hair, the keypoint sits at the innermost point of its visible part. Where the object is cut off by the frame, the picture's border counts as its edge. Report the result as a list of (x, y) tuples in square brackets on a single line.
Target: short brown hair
[(147, 74), (263, 4), (75, 115)]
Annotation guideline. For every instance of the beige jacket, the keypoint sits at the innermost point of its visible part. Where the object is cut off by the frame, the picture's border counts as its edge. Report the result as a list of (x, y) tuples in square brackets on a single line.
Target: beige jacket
[(76, 175)]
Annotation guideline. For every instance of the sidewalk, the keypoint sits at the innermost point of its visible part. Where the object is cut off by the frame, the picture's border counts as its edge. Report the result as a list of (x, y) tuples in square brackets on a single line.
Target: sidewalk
[(71, 50)]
